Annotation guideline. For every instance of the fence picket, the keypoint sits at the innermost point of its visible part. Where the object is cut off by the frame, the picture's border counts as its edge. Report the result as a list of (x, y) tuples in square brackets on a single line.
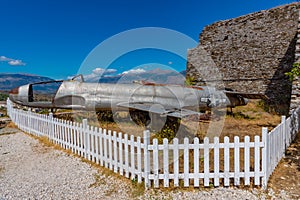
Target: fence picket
[(81, 140), (126, 156), (206, 161), (61, 131), (196, 162), (256, 160), (110, 155), (92, 135), (101, 155), (247, 160), (121, 153), (105, 148), (166, 161), (146, 158), (113, 151), (63, 128), (186, 162), (216, 162), (132, 163), (69, 135), (77, 139), (97, 144), (236, 161), (155, 163), (139, 160), (226, 161), (176, 162), (283, 141), (264, 157)]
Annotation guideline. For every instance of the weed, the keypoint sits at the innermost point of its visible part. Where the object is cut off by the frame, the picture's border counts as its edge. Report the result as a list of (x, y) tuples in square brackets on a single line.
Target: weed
[(11, 125), (190, 81), (98, 181), (265, 106), (111, 191), (295, 72), (169, 130), (44, 112), (106, 116), (241, 115), (138, 189)]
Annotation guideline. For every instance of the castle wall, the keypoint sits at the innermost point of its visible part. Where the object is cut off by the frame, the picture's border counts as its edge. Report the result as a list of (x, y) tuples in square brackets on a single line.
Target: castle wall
[(250, 53)]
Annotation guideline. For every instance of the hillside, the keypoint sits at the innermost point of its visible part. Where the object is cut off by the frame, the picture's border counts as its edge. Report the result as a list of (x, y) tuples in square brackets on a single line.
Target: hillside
[(10, 81), (155, 75)]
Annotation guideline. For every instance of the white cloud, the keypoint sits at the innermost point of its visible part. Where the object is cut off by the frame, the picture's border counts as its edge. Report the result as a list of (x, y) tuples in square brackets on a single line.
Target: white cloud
[(101, 71), (97, 73), (110, 71), (16, 63), (11, 61), (134, 71), (5, 59)]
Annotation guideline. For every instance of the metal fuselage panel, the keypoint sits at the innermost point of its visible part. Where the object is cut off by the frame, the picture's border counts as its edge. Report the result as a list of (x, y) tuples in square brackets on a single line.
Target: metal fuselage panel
[(106, 96), (101, 96)]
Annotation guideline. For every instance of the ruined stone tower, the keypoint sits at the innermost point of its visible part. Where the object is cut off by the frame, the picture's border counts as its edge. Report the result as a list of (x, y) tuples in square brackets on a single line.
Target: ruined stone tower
[(252, 54)]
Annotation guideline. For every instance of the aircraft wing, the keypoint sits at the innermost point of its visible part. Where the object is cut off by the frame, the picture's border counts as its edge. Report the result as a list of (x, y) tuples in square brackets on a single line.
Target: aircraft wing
[(153, 108), (247, 95)]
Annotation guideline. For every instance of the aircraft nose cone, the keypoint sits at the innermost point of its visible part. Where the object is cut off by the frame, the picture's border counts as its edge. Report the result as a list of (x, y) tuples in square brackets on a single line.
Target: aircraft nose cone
[(13, 93)]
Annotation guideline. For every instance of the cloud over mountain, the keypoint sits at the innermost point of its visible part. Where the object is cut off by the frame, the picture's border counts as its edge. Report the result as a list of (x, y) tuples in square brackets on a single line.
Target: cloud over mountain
[(11, 61), (155, 75)]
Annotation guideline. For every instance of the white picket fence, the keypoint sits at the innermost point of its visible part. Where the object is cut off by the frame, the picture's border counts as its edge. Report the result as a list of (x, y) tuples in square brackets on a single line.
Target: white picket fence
[(174, 163)]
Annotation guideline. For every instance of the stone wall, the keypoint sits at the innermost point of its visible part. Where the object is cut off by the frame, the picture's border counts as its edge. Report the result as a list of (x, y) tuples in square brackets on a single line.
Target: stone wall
[(295, 97), (250, 53)]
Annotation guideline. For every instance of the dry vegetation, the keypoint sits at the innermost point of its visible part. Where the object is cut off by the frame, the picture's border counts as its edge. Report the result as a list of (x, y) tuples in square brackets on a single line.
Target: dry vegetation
[(244, 120), (286, 176), (249, 120)]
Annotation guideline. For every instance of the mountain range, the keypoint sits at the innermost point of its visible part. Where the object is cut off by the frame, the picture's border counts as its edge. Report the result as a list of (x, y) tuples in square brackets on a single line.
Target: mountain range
[(10, 81), (155, 75)]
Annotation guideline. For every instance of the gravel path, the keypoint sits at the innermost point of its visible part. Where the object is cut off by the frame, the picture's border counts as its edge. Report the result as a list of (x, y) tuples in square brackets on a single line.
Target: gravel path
[(30, 170)]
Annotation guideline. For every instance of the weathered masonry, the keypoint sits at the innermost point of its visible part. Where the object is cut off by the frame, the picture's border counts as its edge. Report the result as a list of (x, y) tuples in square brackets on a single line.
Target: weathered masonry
[(251, 54)]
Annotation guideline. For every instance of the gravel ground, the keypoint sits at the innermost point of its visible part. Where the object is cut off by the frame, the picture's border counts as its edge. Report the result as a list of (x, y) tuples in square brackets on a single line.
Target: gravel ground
[(31, 170)]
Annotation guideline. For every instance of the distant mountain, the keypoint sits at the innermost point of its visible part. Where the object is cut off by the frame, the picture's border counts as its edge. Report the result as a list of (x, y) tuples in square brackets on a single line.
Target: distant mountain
[(155, 75), (10, 81)]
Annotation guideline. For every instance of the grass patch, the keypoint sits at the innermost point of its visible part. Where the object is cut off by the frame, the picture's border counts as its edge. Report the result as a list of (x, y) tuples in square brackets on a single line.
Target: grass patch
[(245, 120), (241, 115), (98, 181), (12, 125), (138, 189)]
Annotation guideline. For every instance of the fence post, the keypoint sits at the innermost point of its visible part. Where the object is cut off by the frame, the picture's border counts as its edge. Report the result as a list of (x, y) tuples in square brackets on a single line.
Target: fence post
[(146, 158), (85, 135), (265, 156), (51, 126), (283, 121), (29, 123), (8, 107)]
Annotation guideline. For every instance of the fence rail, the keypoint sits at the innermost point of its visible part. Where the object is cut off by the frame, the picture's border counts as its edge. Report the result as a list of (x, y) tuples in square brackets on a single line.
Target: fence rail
[(173, 163)]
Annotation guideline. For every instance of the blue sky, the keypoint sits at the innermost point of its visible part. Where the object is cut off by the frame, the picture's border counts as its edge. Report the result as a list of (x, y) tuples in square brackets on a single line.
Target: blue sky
[(54, 37)]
